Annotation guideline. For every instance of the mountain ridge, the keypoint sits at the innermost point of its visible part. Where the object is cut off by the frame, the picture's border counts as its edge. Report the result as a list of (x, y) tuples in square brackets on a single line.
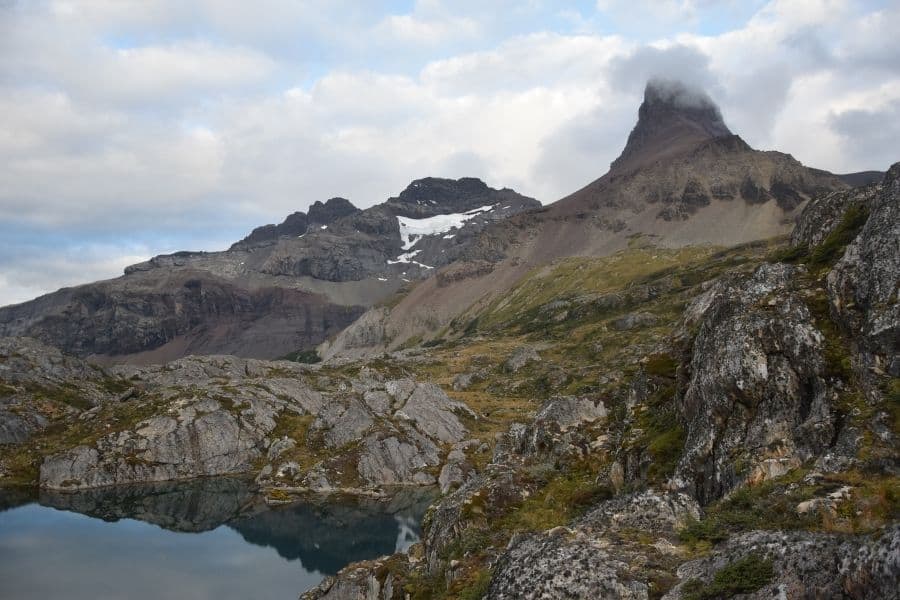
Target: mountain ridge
[(281, 288), (706, 186)]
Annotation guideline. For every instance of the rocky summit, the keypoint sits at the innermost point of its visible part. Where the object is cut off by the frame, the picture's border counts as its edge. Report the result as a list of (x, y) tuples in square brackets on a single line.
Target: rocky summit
[(679, 382)]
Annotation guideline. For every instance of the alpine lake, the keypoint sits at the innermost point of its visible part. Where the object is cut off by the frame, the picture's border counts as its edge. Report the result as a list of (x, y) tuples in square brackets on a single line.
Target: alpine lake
[(208, 538)]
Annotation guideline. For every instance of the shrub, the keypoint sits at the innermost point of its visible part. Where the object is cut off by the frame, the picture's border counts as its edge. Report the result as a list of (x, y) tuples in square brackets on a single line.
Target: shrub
[(743, 576), (832, 247)]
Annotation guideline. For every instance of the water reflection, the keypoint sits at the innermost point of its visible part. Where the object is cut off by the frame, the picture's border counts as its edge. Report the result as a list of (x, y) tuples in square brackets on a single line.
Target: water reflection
[(209, 538)]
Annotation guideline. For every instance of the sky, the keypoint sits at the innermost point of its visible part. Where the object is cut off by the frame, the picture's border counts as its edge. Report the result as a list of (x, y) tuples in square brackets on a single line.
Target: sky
[(134, 128)]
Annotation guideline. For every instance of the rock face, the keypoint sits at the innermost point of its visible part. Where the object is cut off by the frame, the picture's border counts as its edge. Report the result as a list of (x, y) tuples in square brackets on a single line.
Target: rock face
[(201, 440), (201, 426), (756, 393), (587, 560), (207, 416), (332, 210), (558, 429), (282, 288), (671, 112), (807, 565), (520, 357), (863, 286), (39, 383), (824, 214), (295, 224)]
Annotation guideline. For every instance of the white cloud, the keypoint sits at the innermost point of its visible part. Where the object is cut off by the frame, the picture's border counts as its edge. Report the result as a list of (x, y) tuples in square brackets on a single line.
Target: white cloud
[(160, 117), (410, 29)]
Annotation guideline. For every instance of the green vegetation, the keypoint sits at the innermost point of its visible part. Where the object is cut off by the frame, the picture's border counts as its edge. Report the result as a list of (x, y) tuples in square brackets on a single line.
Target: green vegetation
[(832, 247), (558, 501), (771, 505), (743, 576), (303, 356), (827, 253)]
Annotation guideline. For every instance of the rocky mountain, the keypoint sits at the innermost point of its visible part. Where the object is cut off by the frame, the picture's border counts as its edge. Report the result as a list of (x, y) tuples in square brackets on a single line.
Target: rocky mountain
[(683, 179), (282, 288), (632, 410), (715, 424)]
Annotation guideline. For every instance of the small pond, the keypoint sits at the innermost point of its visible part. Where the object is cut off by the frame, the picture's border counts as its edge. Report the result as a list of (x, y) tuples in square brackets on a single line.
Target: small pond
[(210, 538)]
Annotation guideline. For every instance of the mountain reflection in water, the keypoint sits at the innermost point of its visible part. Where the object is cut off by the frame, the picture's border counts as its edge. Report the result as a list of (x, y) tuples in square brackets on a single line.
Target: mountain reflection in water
[(231, 525)]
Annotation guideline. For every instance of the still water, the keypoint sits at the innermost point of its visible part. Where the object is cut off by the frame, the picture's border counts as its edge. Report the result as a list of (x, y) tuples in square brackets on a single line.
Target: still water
[(204, 539)]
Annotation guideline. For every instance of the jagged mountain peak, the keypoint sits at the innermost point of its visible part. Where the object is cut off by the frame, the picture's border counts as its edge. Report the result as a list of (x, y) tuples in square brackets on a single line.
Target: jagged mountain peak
[(326, 213), (673, 116), (439, 192)]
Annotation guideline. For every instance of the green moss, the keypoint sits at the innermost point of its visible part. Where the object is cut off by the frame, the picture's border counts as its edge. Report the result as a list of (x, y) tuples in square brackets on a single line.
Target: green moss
[(563, 498), (789, 254), (661, 365), (743, 576), (474, 586), (832, 247), (662, 436), (115, 385), (303, 356)]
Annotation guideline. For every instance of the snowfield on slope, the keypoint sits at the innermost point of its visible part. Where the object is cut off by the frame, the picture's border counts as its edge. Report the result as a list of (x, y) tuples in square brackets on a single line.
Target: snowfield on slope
[(413, 230)]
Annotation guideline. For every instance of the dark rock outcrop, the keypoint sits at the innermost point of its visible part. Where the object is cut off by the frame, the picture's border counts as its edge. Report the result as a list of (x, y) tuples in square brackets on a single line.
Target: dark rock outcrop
[(672, 113), (756, 395), (330, 211), (294, 224)]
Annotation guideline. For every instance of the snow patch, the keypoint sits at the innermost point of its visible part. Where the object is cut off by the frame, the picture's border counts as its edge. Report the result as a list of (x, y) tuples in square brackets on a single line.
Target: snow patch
[(407, 258), (413, 230)]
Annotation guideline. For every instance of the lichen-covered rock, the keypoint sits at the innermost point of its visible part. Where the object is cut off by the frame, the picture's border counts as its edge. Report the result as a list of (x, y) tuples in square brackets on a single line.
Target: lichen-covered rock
[(397, 459), (662, 513), (38, 383), (824, 214), (634, 321), (359, 581), (756, 403), (201, 439), (494, 489), (806, 565), (455, 471), (210, 416), (556, 429), (863, 285), (341, 424), (549, 566), (433, 412), (597, 556), (520, 357)]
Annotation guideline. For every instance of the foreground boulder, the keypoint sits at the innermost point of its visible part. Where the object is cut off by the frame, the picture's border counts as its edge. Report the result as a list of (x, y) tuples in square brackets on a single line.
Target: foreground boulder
[(595, 557), (765, 564)]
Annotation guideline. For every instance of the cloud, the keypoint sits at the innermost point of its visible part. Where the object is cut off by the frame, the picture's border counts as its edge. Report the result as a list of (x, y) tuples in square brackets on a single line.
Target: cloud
[(872, 134), (166, 123), (682, 63)]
